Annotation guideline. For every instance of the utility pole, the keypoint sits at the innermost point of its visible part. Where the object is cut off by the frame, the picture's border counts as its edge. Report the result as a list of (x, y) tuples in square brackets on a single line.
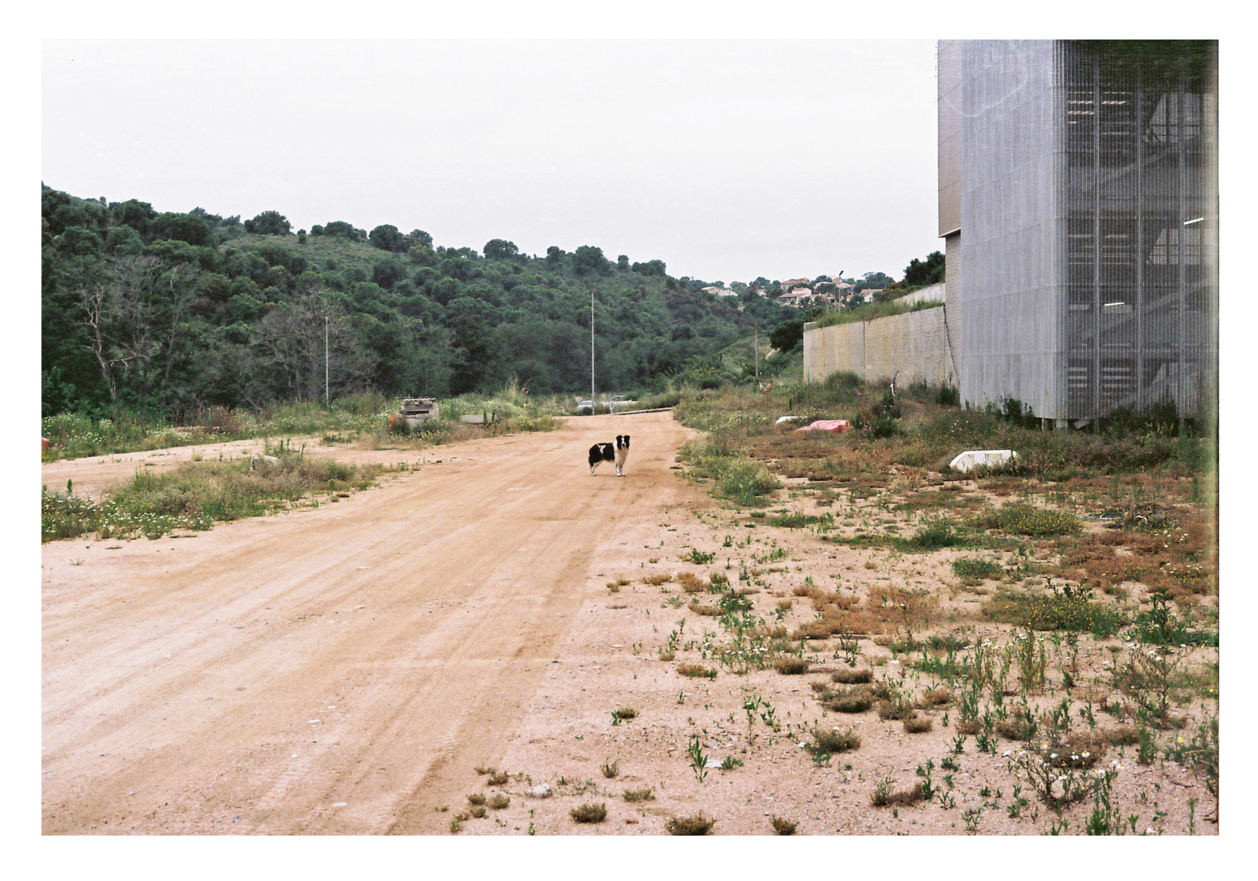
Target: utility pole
[(757, 355), (327, 398), (591, 350)]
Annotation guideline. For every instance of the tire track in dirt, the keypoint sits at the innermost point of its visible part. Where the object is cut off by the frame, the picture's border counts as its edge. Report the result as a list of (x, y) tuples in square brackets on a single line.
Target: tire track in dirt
[(326, 671)]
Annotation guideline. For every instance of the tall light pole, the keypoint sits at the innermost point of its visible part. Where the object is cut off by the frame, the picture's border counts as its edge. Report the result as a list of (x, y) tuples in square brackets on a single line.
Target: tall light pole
[(591, 350)]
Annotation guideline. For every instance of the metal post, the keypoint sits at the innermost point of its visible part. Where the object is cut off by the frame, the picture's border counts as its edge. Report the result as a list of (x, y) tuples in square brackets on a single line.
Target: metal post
[(327, 398), (592, 408)]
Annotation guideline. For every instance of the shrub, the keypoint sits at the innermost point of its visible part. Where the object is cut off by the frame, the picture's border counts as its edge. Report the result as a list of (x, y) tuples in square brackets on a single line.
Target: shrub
[(696, 824), (851, 676), (1029, 520), (856, 700), (791, 666), (974, 569), (827, 742), (884, 795), (1067, 608), (937, 532), (782, 826), (589, 813), (696, 670)]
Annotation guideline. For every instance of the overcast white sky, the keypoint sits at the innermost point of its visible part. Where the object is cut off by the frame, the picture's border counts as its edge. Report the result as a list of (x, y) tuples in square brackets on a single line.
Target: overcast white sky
[(726, 159)]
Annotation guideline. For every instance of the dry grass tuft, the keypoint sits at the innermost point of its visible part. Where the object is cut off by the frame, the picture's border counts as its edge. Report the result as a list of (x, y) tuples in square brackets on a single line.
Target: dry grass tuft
[(696, 670), (696, 824), (825, 743), (852, 676), (850, 700), (691, 583), (918, 724), (937, 697), (589, 813), (783, 826), (791, 666), (883, 795)]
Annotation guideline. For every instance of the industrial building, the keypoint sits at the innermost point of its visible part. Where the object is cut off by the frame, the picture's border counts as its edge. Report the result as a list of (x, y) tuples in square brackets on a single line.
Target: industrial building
[(1078, 201)]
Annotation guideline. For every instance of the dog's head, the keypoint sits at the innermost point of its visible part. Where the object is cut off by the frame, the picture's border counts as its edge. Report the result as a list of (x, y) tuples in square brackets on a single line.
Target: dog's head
[(622, 441)]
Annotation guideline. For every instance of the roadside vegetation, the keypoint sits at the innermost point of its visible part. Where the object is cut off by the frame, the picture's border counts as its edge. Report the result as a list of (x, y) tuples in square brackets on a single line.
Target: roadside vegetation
[(1055, 619), (196, 495)]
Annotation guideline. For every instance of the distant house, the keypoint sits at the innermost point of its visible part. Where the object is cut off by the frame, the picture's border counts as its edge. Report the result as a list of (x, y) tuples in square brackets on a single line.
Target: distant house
[(796, 298), (718, 291)]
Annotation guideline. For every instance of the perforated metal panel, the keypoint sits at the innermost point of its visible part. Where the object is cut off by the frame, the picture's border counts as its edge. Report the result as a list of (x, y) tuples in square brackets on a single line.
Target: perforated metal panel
[(1087, 250), (1141, 209)]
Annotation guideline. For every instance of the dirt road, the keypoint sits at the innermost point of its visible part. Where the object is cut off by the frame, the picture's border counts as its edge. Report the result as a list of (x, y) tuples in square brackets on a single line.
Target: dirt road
[(324, 670)]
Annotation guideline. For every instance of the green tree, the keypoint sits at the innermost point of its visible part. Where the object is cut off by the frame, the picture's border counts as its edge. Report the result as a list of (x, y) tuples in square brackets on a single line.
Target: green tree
[(269, 223), (286, 357), (873, 280), (181, 227), (133, 213), (387, 238), (500, 249), (927, 272), (418, 237), (341, 229), (588, 259)]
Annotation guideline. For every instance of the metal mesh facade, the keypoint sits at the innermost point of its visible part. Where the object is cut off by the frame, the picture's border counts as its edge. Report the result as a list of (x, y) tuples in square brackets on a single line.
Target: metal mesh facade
[(1084, 176), (1140, 148)]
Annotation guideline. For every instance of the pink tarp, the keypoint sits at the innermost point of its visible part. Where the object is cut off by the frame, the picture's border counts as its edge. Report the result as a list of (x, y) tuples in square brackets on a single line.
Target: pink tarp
[(835, 425)]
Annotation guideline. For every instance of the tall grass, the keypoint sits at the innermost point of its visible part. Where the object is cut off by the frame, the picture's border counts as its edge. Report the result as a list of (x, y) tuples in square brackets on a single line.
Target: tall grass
[(195, 495), (734, 477), (360, 415)]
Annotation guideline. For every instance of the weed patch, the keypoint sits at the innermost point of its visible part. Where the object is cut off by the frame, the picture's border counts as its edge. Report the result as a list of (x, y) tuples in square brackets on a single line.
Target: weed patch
[(195, 495), (1066, 608)]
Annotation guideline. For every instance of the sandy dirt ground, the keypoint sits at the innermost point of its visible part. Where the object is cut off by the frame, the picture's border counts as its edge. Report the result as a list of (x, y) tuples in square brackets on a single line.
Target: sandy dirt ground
[(363, 667), (333, 670)]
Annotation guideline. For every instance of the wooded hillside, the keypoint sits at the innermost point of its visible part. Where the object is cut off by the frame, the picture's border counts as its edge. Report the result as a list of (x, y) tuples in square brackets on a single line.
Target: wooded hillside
[(175, 311)]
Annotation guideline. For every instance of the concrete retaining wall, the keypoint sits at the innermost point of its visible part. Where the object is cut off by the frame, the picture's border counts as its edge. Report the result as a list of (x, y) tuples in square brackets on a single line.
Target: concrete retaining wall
[(914, 345)]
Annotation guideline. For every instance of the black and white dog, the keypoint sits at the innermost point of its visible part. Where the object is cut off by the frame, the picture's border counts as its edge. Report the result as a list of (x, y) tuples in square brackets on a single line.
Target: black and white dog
[(616, 452)]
